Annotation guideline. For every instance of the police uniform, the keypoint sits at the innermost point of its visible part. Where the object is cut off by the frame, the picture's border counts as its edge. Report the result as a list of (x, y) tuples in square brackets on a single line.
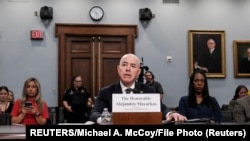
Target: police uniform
[(77, 99)]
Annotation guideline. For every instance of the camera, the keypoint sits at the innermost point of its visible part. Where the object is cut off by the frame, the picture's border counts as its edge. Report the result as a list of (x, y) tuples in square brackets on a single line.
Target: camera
[(141, 75)]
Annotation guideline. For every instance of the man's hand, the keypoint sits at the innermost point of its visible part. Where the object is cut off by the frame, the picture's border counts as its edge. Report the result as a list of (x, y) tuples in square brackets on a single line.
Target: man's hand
[(204, 69), (176, 117)]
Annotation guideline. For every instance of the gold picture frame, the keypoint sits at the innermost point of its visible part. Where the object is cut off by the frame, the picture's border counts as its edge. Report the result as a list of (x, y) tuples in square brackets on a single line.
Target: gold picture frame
[(212, 63), (241, 65)]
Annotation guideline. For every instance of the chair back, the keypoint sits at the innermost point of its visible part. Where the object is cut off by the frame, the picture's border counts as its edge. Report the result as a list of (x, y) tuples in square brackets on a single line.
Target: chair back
[(5, 119), (227, 116)]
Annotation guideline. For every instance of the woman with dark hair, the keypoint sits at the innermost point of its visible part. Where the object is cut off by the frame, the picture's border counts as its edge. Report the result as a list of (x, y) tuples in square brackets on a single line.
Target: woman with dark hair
[(5, 105), (198, 104), (240, 91)]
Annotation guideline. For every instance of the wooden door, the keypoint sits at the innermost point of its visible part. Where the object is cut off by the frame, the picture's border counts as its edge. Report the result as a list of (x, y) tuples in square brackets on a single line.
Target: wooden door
[(93, 55)]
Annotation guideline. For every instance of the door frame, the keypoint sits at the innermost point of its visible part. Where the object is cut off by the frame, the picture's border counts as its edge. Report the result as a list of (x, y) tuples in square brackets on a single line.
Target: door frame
[(64, 29)]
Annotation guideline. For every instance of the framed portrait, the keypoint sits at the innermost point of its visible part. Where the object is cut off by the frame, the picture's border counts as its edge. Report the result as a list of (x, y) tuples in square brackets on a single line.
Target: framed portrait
[(207, 52), (241, 51)]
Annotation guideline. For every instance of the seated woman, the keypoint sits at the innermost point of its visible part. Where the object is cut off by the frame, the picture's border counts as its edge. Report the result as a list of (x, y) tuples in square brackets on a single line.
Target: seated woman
[(30, 109), (11, 96), (198, 103), (240, 91), (5, 105)]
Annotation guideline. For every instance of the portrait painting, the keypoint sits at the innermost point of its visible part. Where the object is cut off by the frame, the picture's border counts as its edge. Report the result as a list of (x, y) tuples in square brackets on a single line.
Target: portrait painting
[(241, 51), (207, 52)]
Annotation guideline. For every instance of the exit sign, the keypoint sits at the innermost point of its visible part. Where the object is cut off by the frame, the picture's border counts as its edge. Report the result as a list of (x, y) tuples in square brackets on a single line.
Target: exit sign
[(36, 34)]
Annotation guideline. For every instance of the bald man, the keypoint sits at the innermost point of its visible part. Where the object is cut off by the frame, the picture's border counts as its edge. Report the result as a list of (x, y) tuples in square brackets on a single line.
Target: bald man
[(128, 71)]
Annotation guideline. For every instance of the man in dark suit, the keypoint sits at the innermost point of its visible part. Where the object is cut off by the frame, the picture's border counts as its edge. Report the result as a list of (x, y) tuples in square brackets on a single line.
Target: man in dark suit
[(244, 66), (211, 59), (128, 70)]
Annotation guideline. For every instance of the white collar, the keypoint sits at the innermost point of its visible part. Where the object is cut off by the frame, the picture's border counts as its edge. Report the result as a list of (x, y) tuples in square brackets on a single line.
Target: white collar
[(212, 50), (124, 87)]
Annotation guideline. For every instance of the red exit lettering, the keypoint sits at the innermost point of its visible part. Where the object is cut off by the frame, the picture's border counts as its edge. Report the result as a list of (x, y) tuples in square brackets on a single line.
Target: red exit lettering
[(36, 34)]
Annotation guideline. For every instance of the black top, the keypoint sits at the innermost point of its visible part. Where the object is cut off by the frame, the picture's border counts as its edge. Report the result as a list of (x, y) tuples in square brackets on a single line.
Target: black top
[(9, 109), (5, 115), (156, 85), (77, 99)]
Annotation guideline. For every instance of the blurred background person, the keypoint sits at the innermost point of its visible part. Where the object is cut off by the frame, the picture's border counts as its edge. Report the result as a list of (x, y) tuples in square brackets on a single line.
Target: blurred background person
[(30, 109), (5, 105), (198, 103), (11, 96), (76, 102), (241, 110), (150, 81), (240, 91)]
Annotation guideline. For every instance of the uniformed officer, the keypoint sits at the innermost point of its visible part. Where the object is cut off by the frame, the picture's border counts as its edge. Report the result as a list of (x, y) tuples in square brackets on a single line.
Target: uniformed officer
[(75, 101)]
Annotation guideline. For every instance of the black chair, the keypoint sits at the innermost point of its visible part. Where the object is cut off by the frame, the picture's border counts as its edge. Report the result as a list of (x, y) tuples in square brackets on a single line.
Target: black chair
[(60, 115), (227, 116), (52, 116), (49, 122), (224, 107), (5, 119)]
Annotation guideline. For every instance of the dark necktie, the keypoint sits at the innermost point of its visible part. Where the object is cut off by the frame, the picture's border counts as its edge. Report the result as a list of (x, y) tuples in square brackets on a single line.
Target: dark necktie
[(128, 90)]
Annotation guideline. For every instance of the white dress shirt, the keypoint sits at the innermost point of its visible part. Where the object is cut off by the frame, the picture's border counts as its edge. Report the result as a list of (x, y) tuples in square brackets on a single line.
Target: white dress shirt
[(124, 88)]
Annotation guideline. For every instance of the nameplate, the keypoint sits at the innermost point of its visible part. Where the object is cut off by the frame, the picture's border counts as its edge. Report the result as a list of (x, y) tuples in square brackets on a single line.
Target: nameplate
[(136, 102)]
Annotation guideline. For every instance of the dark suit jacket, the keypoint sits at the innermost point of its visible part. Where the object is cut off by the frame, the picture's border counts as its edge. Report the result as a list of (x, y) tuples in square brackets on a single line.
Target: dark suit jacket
[(244, 66), (104, 99), (212, 61), (241, 111)]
